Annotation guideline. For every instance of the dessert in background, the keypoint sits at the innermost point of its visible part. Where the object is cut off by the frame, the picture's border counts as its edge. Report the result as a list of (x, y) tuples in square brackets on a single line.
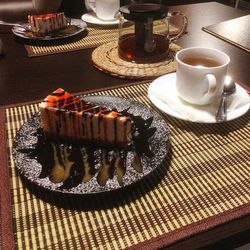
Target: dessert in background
[(47, 23)]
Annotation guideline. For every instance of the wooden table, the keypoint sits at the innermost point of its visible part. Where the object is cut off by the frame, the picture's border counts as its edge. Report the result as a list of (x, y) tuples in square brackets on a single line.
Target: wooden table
[(24, 79)]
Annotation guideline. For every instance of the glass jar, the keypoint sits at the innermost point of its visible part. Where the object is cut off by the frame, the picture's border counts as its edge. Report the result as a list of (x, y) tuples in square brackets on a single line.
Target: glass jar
[(146, 38)]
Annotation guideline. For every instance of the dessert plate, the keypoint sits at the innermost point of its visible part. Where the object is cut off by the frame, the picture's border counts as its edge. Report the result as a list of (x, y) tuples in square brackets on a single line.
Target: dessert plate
[(33, 159), (162, 93), (93, 19), (75, 27)]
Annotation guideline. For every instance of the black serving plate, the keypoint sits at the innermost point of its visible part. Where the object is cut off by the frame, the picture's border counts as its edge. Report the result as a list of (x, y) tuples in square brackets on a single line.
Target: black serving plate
[(75, 27), (29, 166)]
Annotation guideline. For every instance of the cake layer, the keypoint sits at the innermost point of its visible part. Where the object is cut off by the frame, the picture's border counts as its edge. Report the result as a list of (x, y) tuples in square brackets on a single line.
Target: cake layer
[(69, 118), (47, 23)]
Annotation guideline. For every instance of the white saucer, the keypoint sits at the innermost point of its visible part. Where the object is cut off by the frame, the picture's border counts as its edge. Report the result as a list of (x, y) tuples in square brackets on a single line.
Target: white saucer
[(93, 19), (162, 93)]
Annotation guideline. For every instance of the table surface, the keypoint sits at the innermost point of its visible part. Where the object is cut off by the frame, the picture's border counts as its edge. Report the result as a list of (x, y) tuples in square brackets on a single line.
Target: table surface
[(25, 79)]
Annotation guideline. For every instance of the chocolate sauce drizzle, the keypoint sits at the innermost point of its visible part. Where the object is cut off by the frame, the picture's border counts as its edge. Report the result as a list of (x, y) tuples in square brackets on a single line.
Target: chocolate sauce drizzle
[(72, 164)]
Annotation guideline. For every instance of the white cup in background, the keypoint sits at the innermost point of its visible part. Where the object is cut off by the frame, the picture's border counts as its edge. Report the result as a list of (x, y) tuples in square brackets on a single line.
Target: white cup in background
[(200, 74), (104, 9)]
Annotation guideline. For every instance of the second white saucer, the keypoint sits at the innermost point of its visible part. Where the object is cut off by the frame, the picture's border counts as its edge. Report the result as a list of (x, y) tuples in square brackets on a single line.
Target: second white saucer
[(93, 19)]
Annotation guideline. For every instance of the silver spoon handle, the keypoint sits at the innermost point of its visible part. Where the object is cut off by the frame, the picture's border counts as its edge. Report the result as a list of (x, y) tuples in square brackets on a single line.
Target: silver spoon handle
[(10, 24), (221, 115)]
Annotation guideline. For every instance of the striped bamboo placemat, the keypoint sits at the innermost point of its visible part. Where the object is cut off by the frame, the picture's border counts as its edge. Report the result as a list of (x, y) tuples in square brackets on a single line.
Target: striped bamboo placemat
[(95, 36), (205, 184)]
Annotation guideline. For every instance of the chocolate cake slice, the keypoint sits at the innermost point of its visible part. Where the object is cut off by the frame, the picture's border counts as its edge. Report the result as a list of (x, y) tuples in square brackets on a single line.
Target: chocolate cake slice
[(47, 23), (70, 118)]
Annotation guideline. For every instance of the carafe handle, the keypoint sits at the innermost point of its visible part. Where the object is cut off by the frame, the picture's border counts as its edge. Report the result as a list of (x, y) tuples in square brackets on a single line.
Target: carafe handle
[(184, 24)]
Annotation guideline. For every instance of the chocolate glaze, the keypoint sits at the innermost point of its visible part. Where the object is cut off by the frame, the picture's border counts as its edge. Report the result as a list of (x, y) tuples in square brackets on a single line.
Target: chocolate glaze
[(110, 159), (33, 153)]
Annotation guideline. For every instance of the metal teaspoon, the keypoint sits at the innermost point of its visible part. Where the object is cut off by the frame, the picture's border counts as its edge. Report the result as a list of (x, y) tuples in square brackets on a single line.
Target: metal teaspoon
[(23, 27), (229, 88), (10, 24)]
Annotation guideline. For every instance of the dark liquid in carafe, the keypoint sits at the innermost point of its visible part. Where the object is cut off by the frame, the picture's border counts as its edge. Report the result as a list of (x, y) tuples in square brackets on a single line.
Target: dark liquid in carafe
[(130, 50)]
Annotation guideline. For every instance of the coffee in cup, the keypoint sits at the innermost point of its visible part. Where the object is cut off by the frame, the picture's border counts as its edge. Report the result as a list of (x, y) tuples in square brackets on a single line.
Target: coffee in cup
[(201, 61), (200, 74)]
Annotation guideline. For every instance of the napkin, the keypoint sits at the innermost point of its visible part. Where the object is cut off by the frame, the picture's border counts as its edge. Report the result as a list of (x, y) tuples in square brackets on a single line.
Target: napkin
[(199, 113)]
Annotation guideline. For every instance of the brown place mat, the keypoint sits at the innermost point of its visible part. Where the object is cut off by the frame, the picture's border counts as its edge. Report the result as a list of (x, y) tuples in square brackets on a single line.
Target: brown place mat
[(206, 184), (95, 37), (235, 31), (106, 58)]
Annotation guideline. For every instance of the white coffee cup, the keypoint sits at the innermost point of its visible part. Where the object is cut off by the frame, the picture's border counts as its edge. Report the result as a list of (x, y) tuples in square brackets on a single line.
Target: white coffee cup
[(200, 74), (104, 9)]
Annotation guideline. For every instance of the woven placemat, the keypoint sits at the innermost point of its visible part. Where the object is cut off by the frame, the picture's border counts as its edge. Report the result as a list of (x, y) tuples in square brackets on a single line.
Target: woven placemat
[(205, 183), (106, 58), (95, 36)]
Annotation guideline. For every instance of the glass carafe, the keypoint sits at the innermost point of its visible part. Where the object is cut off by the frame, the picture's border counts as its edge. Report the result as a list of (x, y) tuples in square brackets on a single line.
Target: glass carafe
[(146, 38)]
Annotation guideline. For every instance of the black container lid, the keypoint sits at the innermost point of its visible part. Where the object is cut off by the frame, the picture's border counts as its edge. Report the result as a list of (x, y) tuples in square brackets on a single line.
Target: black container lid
[(136, 12)]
